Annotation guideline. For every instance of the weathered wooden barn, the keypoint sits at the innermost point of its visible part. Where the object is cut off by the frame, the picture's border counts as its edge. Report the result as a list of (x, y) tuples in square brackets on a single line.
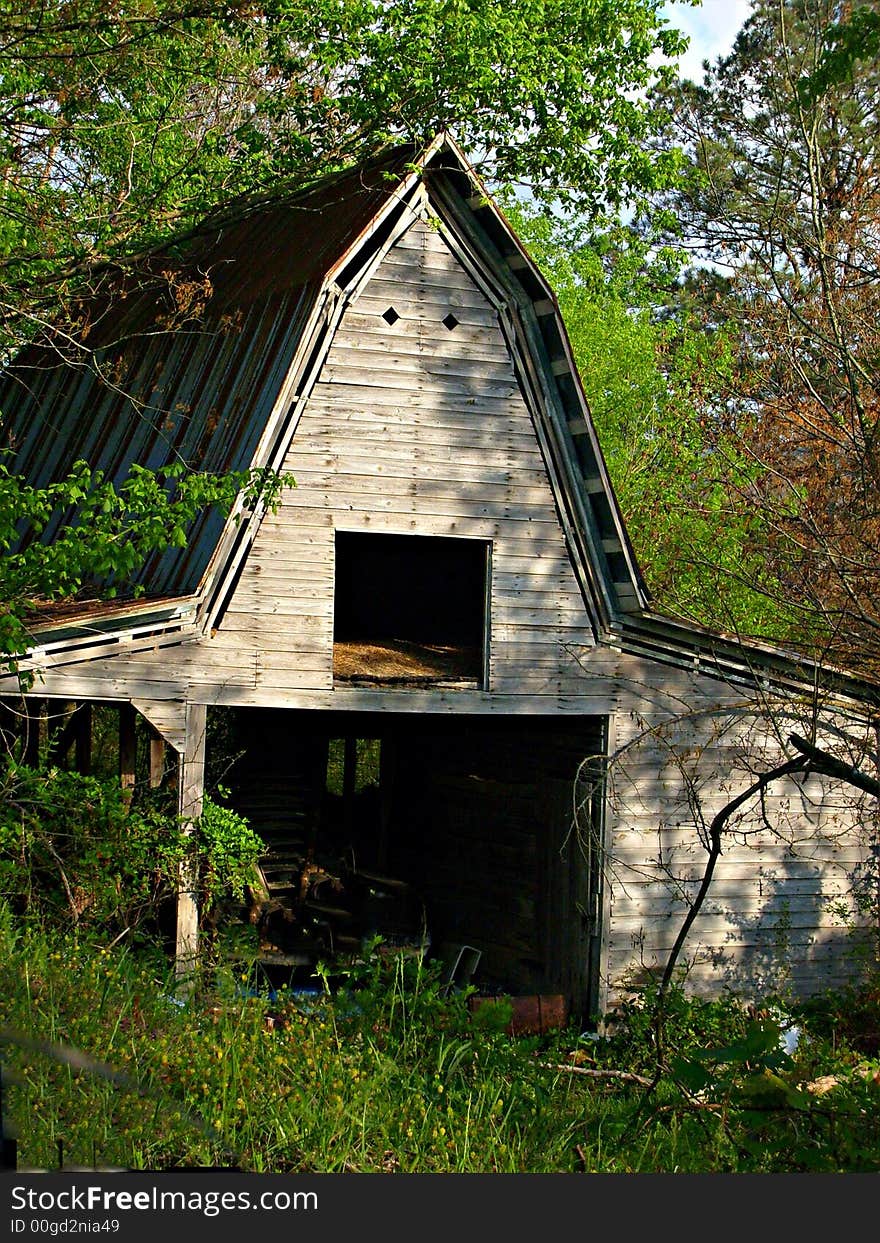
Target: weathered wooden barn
[(436, 658)]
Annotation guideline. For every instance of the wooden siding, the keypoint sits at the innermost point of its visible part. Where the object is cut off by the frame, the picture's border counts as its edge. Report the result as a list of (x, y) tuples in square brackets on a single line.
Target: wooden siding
[(769, 920), (412, 428)]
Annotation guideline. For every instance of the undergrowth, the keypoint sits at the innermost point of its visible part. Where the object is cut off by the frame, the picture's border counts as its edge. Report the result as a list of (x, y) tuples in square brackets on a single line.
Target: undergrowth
[(379, 1071)]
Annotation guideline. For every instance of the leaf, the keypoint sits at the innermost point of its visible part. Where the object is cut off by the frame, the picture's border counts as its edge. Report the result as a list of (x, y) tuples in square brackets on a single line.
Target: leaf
[(691, 1074)]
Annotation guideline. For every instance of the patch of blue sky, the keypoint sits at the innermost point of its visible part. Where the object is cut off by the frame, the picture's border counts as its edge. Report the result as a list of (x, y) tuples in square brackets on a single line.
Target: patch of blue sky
[(711, 27)]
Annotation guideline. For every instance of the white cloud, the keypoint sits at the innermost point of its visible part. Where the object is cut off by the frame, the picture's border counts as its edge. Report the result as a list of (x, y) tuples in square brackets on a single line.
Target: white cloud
[(711, 27)]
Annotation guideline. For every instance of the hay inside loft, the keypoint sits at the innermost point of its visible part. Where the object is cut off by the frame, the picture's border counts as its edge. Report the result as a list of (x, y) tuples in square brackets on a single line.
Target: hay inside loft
[(405, 662)]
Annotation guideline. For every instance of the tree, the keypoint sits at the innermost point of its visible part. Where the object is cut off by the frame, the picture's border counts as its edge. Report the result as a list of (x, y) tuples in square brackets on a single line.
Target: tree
[(126, 121), (783, 195)]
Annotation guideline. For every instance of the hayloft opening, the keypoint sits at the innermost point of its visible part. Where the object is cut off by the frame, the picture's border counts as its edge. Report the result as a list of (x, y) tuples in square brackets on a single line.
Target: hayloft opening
[(410, 609)]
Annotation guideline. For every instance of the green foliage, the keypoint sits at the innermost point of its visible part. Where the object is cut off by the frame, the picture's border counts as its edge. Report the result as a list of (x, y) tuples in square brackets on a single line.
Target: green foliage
[(229, 849), (76, 852), (846, 43), (494, 1015), (688, 1022), (849, 1020), (126, 123), (779, 192), (72, 852), (386, 1075), (773, 1087), (747, 1071), (150, 511), (381, 1077)]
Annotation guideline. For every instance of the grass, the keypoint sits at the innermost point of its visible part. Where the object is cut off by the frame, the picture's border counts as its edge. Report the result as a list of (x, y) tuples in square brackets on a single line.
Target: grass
[(386, 1075)]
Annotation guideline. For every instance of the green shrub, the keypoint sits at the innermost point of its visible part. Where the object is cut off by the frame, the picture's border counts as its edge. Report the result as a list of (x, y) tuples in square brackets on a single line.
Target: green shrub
[(75, 851), (229, 849)]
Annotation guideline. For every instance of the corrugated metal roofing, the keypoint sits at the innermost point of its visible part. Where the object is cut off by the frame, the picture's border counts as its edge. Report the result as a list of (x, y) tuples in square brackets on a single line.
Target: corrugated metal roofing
[(201, 392)]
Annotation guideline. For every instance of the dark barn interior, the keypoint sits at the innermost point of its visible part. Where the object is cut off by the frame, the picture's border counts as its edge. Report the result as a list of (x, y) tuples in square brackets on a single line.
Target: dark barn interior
[(429, 831), (409, 608)]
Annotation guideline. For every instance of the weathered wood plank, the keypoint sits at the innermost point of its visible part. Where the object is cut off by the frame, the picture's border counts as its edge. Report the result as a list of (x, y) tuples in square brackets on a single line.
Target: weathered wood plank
[(361, 325), (436, 506), (167, 717), (434, 298), (424, 418), (427, 271), (340, 372), (510, 612), (430, 410), (516, 641), (436, 302), (415, 365), (441, 701), (267, 629), (298, 661), (279, 680), (426, 339), (565, 598), (423, 486), (478, 469), (262, 597), (311, 532), (785, 942)]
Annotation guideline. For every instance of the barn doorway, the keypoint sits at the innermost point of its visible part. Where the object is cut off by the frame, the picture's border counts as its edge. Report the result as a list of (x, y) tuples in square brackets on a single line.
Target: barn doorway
[(435, 831)]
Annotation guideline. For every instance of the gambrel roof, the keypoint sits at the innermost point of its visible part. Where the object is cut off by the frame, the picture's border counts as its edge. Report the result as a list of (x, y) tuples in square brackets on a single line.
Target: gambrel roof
[(223, 389), (220, 392)]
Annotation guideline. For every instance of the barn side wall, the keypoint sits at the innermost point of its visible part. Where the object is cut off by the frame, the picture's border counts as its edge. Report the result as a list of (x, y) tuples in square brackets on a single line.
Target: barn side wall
[(780, 914)]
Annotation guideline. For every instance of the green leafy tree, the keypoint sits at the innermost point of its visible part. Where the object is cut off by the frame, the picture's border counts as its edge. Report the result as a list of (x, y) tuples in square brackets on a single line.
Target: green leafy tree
[(124, 122)]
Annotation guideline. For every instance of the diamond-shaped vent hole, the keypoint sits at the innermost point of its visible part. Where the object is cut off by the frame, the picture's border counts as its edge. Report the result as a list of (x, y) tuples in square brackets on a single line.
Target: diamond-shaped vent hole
[(450, 321), (390, 316)]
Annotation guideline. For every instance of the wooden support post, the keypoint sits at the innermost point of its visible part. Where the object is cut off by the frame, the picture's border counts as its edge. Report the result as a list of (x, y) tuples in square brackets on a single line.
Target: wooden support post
[(386, 800), (127, 749), (82, 740), (349, 785), (191, 789), (157, 759)]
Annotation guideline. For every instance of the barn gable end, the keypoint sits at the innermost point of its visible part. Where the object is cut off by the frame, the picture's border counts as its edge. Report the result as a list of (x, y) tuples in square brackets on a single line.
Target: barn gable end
[(415, 433)]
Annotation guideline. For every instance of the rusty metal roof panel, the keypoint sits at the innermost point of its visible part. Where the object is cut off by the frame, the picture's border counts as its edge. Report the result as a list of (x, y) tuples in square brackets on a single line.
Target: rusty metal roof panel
[(200, 392), (199, 397)]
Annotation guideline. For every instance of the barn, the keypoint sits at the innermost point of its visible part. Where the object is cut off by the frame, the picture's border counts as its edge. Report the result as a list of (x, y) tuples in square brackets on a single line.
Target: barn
[(436, 657)]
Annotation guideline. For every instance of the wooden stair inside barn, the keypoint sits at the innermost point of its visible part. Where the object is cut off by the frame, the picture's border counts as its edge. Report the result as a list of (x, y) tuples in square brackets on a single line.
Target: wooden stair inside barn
[(321, 893), (277, 785)]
